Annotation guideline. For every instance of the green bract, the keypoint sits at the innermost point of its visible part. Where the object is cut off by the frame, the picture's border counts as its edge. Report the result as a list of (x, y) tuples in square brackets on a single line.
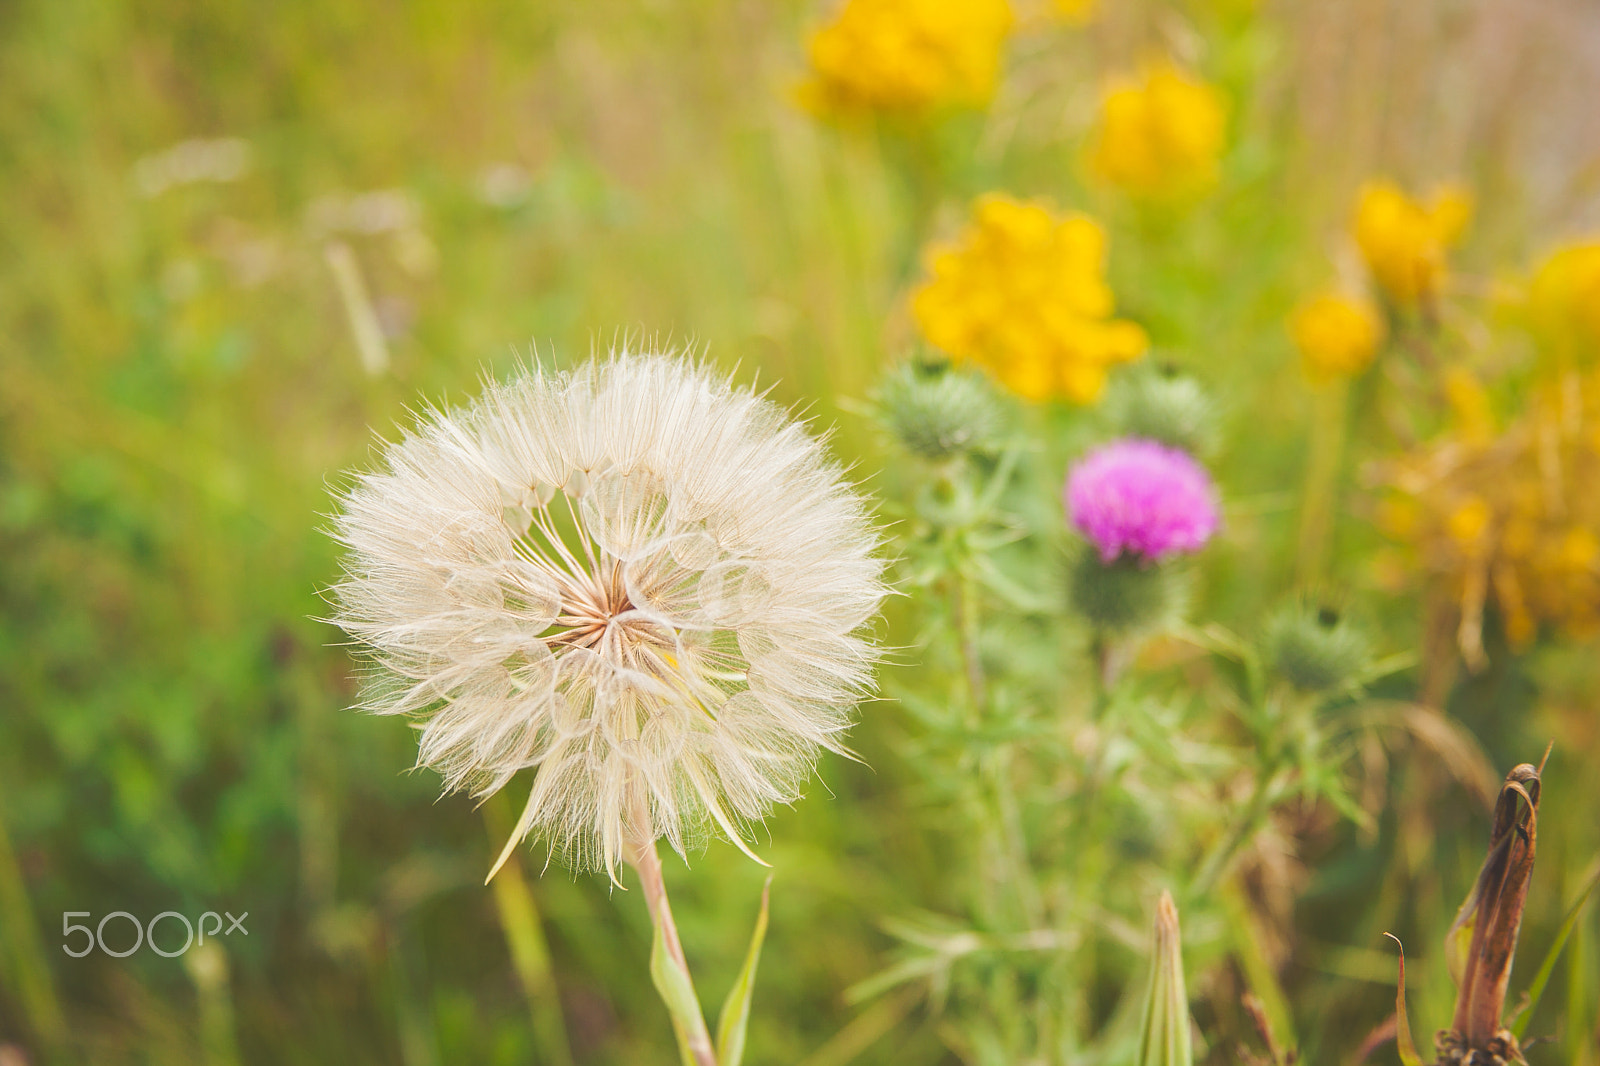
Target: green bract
[(1315, 650), (937, 412)]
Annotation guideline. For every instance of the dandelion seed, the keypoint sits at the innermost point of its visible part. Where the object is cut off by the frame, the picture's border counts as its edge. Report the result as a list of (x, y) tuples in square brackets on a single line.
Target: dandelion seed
[(644, 582)]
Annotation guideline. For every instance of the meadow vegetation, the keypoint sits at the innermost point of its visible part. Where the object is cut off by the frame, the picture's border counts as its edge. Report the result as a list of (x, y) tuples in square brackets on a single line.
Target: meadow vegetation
[(1224, 379)]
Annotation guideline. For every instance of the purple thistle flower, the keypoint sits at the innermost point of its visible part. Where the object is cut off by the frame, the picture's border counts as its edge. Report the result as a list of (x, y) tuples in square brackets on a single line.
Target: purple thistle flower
[(1143, 498)]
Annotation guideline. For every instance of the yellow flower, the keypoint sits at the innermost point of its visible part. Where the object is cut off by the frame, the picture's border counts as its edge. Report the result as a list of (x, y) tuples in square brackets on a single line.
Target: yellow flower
[(1076, 12), (1162, 136), (1337, 336), (1564, 301), (1022, 293), (1469, 405), (907, 55), (1468, 523), (1404, 242), (1508, 516)]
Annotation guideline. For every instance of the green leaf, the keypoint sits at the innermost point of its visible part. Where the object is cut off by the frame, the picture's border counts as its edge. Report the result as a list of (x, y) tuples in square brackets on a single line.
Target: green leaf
[(677, 992), (1258, 971), (735, 1014), (1402, 1023), (1246, 673)]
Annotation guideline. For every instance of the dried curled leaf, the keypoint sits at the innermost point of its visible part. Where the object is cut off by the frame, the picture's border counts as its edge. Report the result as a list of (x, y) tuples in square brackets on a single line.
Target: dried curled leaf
[(1402, 1022), (1493, 910)]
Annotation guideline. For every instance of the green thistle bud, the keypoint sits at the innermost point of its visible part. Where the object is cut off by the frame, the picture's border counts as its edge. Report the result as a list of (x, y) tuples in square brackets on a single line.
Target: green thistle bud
[(1164, 1037), (1126, 594), (938, 412), (1315, 650), (1165, 406)]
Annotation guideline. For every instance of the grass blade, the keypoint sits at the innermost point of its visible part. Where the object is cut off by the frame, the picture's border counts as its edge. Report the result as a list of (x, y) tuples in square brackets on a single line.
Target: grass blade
[(1520, 1024), (735, 1016)]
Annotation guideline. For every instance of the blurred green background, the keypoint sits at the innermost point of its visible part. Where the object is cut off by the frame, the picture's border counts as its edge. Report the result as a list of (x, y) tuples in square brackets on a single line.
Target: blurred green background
[(237, 241)]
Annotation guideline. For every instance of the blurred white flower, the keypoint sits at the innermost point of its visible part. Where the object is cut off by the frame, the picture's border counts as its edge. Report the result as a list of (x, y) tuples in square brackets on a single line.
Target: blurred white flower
[(223, 159), (643, 581), (504, 185), (368, 213)]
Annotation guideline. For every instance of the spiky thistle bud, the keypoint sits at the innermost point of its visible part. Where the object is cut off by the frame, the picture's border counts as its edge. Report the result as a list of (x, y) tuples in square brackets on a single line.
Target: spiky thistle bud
[(1125, 595), (938, 412), (1167, 407), (1315, 649)]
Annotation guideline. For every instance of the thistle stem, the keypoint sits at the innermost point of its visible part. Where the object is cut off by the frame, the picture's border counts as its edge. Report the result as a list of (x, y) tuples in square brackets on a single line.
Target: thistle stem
[(1216, 863), (640, 853), (966, 610), (1004, 823), (1320, 509)]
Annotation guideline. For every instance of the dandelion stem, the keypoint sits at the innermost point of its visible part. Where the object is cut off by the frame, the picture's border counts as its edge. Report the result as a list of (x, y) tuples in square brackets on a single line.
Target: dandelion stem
[(641, 855)]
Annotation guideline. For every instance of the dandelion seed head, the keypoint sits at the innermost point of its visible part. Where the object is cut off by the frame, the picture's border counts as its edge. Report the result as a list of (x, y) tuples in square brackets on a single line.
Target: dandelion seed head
[(644, 582)]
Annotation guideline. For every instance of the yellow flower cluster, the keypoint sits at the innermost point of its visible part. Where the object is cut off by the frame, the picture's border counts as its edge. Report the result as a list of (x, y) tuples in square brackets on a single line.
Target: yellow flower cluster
[(1510, 518), (1404, 242), (1337, 336), (1564, 303), (1022, 293), (1161, 136), (907, 55)]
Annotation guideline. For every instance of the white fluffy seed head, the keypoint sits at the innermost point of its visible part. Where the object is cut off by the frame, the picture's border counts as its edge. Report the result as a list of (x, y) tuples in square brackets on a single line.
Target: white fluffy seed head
[(643, 581)]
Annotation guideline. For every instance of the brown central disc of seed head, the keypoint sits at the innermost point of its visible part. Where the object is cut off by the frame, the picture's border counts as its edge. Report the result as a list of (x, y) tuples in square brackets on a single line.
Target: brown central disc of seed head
[(597, 605)]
